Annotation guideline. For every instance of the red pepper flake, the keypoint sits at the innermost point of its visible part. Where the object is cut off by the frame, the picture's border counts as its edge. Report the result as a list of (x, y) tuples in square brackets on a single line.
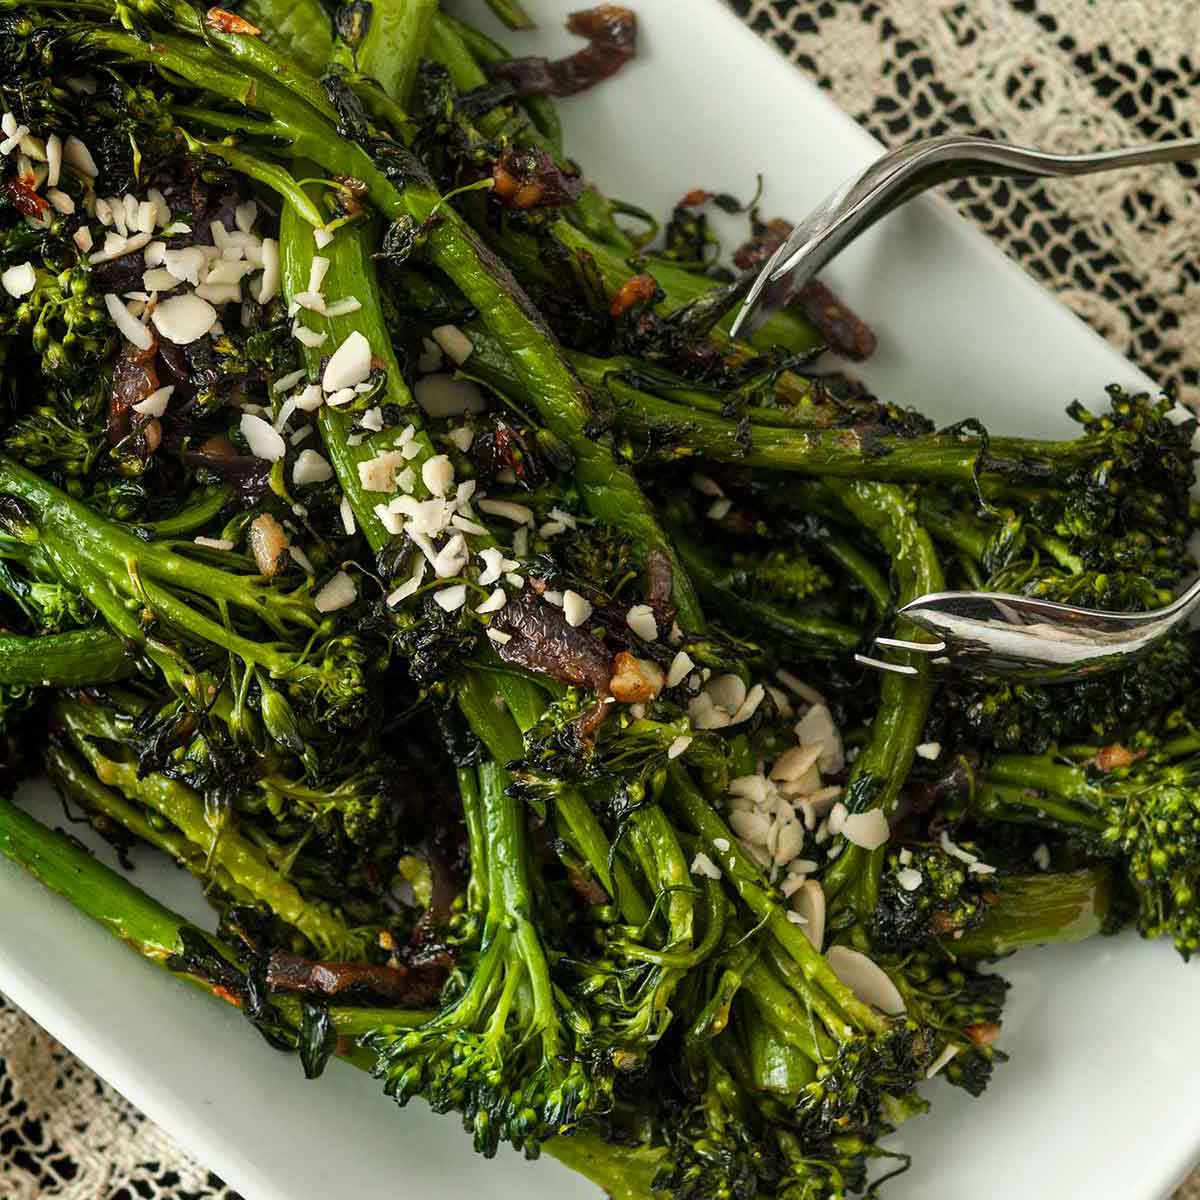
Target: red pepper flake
[(24, 199), (982, 1033), (1114, 757), (227, 22), (223, 993), (696, 198), (641, 289)]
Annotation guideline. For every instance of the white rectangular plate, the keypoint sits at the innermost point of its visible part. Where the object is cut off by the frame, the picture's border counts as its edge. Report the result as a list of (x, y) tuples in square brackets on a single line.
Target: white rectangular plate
[(1102, 1093)]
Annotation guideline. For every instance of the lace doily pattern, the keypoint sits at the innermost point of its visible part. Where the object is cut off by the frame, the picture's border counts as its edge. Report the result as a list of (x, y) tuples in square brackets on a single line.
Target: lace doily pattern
[(66, 1135), (1064, 75), (1119, 249)]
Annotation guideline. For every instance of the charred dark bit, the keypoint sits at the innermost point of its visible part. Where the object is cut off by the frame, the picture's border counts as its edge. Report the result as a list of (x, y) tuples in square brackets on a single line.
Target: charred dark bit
[(846, 333), (507, 447), (660, 581), (134, 378), (540, 640), (409, 987), (532, 179), (611, 31)]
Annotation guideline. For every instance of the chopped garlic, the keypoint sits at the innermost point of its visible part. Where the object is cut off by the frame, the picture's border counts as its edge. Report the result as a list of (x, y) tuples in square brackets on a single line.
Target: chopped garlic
[(640, 619), (576, 609), (339, 592), (451, 598), (675, 749)]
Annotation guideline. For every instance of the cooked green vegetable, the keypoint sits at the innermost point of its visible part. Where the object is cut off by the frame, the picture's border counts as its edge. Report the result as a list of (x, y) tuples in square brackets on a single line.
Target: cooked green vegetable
[(392, 536)]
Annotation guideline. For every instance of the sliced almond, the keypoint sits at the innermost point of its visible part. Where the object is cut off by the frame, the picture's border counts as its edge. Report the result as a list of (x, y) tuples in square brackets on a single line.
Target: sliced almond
[(868, 981), (809, 902)]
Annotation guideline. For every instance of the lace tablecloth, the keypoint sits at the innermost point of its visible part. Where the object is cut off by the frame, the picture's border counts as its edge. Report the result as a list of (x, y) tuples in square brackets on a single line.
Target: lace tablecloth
[(1119, 249)]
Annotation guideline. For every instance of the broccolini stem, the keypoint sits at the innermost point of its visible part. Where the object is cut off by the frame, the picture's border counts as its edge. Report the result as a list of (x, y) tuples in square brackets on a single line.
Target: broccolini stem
[(87, 548), (151, 929), (158, 934), (485, 52), (511, 888), (673, 433), (830, 999), (1034, 910), (73, 659), (477, 885), (778, 1006), (511, 14), (880, 770), (391, 44), (351, 273), (681, 287), (526, 702), (65, 867), (223, 846), (301, 29), (202, 506), (76, 779)]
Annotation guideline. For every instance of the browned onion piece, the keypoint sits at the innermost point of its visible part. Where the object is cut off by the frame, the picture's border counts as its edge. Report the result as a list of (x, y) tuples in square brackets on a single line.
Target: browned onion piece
[(134, 378), (409, 987), (541, 640), (611, 31), (845, 333)]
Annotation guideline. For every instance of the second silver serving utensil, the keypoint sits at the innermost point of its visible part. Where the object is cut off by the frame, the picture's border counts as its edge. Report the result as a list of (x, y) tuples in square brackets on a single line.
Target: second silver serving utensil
[(903, 173), (990, 633)]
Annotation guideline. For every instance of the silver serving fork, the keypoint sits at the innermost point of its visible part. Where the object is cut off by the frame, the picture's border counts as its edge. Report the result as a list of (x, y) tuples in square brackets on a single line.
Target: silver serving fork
[(903, 173), (990, 633)]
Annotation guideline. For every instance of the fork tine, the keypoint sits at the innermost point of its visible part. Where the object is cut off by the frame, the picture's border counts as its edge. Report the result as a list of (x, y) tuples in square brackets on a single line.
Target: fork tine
[(887, 643), (878, 664), (756, 290)]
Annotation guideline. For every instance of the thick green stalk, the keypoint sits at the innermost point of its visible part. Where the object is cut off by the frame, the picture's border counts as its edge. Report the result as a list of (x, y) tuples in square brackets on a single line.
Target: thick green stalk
[(91, 553), (485, 52), (351, 273), (73, 659), (392, 45), (202, 506), (511, 14), (881, 768), (673, 432), (223, 845), (681, 286), (829, 997), (1034, 789), (75, 779), (1036, 910), (301, 29)]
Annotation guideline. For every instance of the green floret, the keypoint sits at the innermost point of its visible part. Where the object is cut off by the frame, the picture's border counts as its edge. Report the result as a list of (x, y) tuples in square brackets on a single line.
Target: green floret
[(1136, 804), (947, 900), (1014, 716), (186, 606), (507, 1051), (961, 1004)]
